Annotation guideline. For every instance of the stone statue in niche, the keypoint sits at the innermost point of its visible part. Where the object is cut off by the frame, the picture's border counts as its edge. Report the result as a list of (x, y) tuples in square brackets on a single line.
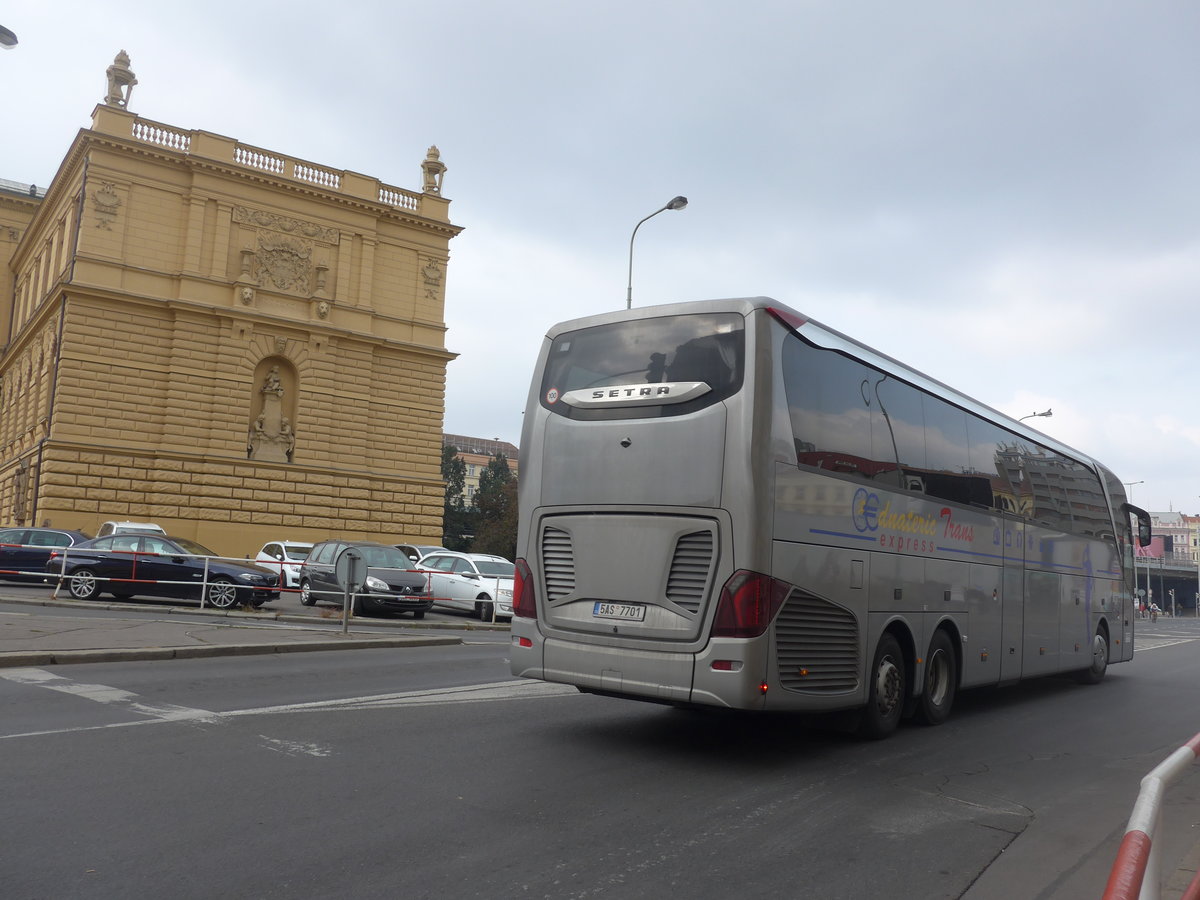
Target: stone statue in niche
[(271, 438)]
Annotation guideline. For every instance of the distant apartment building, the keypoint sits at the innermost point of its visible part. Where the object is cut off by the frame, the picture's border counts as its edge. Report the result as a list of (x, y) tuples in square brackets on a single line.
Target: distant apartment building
[(477, 453), (1180, 537)]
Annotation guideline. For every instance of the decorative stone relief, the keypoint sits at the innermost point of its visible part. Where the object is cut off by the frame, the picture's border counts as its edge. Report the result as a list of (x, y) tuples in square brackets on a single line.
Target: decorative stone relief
[(105, 203), (246, 295), (323, 309), (285, 262), (260, 219), (432, 273)]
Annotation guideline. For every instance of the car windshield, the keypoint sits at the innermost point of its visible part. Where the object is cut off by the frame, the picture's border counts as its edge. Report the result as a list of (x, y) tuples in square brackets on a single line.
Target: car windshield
[(494, 567), (385, 558), (297, 552), (192, 547)]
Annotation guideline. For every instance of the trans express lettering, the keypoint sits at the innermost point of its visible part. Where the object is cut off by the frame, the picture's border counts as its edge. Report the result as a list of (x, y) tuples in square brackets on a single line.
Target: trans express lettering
[(905, 544), (951, 530)]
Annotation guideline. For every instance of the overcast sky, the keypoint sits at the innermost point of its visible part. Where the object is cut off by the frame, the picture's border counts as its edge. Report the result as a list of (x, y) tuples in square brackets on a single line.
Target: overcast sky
[(1004, 195)]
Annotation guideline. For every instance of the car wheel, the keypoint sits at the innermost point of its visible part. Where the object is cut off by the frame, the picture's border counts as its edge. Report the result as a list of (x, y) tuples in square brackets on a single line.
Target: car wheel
[(485, 608), (222, 593), (83, 584), (306, 594)]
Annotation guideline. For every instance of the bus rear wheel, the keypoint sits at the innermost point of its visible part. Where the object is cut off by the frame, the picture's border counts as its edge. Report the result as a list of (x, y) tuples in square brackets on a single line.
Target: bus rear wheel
[(887, 693), (941, 681)]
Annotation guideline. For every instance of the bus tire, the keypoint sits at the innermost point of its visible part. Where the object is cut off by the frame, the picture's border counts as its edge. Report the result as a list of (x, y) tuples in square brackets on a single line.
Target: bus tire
[(1094, 673), (941, 681), (887, 691)]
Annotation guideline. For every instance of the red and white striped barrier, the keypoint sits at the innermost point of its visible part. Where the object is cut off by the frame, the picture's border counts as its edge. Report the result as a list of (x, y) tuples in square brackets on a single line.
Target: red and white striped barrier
[(1137, 872)]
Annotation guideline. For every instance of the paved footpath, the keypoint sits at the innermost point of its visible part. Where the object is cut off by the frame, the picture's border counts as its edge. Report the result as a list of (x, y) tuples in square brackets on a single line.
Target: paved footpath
[(40, 639)]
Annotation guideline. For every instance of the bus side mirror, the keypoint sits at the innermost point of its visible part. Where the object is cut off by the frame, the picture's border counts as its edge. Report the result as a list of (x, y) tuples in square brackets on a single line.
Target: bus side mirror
[(1143, 523)]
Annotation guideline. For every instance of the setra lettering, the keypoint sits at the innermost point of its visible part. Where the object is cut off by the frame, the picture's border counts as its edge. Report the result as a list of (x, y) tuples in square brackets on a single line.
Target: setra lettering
[(632, 392)]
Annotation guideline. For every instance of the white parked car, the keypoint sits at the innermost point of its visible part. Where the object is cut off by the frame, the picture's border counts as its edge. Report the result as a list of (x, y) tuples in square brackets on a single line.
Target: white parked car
[(286, 558), (474, 582), (108, 528)]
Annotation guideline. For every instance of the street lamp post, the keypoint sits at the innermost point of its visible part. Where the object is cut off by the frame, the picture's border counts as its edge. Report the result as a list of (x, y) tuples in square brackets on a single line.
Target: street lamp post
[(1047, 414), (675, 203)]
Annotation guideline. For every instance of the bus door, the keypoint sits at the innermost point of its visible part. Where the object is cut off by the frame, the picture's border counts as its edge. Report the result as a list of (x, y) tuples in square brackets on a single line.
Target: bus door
[(1012, 598)]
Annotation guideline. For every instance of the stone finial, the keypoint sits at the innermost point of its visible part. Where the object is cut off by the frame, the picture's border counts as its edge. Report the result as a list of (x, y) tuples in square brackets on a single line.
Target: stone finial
[(432, 171), (120, 76)]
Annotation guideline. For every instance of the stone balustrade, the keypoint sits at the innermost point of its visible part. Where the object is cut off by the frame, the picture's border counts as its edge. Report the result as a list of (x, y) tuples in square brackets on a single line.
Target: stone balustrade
[(205, 144)]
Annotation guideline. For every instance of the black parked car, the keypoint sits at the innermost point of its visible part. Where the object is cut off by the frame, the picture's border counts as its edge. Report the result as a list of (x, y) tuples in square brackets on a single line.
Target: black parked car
[(152, 565), (391, 585), (25, 550)]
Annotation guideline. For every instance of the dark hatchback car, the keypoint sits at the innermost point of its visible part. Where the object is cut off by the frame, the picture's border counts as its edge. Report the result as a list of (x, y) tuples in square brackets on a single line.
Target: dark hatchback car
[(24, 551), (152, 565), (391, 584)]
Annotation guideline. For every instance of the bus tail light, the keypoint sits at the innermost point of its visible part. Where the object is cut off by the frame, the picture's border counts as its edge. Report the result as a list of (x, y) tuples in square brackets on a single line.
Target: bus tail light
[(524, 601), (749, 601)]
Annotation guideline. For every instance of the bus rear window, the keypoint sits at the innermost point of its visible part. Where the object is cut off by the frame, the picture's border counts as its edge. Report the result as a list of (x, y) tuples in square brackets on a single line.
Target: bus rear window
[(645, 368)]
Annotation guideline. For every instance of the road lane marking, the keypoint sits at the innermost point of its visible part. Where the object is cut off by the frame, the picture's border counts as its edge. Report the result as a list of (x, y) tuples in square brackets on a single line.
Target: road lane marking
[(1145, 642), (158, 713), (102, 693), (295, 748), (472, 693)]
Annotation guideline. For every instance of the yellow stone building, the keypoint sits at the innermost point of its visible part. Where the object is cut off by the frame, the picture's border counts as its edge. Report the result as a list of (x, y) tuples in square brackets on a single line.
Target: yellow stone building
[(235, 344)]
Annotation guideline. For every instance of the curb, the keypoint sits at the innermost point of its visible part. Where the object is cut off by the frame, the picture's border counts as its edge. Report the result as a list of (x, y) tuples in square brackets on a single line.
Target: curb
[(262, 615), (67, 657)]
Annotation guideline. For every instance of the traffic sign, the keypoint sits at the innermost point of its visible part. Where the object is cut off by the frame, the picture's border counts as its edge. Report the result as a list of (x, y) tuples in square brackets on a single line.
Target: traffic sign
[(350, 570)]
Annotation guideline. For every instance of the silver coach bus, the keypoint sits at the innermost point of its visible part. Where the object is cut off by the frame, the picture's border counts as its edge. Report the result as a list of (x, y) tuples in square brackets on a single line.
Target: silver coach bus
[(725, 503)]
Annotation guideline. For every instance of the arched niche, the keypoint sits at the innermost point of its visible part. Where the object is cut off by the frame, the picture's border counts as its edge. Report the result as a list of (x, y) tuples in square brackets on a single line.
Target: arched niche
[(271, 431)]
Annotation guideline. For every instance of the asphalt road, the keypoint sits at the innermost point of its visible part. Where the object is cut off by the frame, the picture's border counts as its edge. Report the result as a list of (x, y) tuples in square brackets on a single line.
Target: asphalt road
[(430, 773)]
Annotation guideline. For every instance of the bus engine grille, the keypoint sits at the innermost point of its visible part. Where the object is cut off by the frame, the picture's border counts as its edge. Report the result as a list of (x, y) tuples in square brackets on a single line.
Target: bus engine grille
[(558, 563), (689, 572), (817, 645)]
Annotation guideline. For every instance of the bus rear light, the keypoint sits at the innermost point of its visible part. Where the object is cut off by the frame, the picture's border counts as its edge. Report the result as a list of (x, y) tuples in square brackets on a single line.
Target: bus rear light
[(524, 601), (762, 687), (749, 601)]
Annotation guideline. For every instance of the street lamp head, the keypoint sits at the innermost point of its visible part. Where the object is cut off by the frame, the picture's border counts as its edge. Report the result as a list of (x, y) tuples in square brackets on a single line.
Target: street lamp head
[(674, 203), (1047, 414), (8, 40)]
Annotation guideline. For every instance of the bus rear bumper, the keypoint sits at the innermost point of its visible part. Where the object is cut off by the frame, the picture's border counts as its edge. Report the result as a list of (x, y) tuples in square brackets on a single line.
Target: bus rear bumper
[(659, 676), (665, 677)]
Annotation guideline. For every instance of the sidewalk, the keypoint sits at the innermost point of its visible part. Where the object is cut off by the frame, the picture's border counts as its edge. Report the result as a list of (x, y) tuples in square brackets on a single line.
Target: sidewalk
[(41, 639)]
